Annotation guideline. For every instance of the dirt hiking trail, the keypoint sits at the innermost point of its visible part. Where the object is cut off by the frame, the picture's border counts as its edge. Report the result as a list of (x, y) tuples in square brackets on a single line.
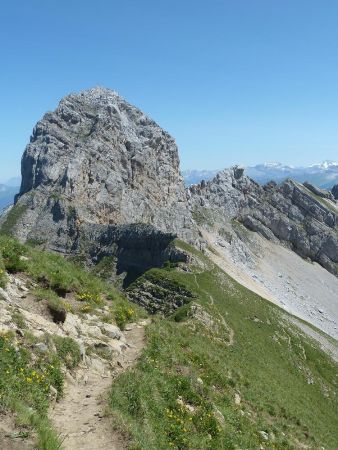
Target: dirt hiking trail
[(80, 417)]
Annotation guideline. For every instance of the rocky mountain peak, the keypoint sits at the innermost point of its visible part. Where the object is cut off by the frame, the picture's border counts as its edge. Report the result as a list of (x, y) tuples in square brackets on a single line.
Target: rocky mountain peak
[(107, 162)]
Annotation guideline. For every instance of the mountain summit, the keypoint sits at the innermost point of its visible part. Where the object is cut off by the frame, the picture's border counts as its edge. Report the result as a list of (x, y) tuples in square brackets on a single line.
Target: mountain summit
[(107, 162)]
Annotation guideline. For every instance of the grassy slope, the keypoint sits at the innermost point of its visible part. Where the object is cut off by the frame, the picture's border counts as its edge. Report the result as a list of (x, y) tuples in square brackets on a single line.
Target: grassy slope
[(25, 373), (287, 386)]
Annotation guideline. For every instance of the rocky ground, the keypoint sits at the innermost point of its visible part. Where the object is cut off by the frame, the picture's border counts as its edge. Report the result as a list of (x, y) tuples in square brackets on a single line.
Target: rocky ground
[(79, 417)]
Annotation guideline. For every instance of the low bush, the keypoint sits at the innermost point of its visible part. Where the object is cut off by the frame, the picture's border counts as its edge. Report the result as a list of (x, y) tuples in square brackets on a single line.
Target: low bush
[(3, 274), (68, 351), (12, 253), (124, 314)]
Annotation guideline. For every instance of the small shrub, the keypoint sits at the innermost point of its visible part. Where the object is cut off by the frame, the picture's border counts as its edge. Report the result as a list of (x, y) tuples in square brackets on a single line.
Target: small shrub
[(12, 252), (19, 320), (181, 314), (123, 315), (3, 274), (68, 351), (57, 310), (89, 297), (168, 265)]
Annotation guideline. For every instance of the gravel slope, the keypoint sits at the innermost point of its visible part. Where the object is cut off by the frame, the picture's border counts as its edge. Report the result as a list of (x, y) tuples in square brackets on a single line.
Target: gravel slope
[(302, 288)]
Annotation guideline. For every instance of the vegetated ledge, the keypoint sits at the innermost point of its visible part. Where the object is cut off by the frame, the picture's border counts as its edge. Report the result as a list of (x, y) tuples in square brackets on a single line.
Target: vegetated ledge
[(157, 294)]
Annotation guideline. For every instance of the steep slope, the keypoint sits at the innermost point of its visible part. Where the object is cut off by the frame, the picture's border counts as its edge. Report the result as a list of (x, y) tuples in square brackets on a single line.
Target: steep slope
[(301, 287), (289, 214), (227, 370)]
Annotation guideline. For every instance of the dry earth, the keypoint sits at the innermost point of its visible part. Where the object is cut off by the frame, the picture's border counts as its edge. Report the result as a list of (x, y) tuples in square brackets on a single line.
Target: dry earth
[(80, 415)]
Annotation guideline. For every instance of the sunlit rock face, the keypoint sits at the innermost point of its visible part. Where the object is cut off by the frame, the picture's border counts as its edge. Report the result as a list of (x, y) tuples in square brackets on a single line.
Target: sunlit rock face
[(98, 159)]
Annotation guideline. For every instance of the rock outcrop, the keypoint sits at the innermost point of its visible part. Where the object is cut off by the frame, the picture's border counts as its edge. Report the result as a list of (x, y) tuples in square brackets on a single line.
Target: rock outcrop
[(97, 161), (335, 191), (320, 192), (288, 213)]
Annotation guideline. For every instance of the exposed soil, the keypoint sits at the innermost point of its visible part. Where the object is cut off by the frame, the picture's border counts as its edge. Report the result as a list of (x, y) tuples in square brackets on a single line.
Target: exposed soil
[(11, 436), (80, 417)]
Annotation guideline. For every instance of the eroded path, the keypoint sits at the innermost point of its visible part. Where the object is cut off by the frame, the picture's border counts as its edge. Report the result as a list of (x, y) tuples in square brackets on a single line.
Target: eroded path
[(80, 415)]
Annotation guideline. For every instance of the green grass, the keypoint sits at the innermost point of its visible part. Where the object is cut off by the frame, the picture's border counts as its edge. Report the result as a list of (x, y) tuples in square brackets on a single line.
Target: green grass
[(12, 217), (68, 351), (25, 385), (47, 438), (279, 374), (3, 274), (26, 373), (53, 272)]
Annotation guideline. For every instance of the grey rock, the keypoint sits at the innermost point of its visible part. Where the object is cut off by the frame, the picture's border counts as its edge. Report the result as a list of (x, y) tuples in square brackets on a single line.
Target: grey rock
[(264, 435), (320, 192), (103, 160), (289, 214), (42, 347), (158, 294), (94, 165), (111, 331)]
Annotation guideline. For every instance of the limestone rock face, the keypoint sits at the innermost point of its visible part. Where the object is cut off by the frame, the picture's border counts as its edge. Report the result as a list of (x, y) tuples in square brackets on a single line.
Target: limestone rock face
[(97, 159), (288, 213)]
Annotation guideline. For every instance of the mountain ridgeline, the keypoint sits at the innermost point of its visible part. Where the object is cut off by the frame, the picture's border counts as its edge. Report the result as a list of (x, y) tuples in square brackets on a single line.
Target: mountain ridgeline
[(97, 165)]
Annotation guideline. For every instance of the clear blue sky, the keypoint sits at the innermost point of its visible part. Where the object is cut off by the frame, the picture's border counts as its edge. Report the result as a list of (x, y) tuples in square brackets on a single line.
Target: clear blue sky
[(234, 81)]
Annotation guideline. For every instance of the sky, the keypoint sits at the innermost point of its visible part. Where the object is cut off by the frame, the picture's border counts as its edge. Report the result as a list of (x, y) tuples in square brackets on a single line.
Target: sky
[(234, 81)]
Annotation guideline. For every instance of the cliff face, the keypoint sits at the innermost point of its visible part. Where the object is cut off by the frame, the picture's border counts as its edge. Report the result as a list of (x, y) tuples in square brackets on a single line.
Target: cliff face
[(101, 179), (289, 213), (100, 160)]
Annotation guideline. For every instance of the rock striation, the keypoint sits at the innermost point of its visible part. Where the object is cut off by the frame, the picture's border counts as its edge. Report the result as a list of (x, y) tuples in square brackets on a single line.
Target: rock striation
[(289, 213), (317, 191)]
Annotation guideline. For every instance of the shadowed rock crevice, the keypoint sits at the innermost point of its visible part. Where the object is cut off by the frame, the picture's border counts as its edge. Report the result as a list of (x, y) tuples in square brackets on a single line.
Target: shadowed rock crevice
[(130, 249)]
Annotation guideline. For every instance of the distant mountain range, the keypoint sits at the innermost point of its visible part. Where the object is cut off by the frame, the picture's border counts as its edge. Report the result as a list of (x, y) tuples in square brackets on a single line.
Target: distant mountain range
[(8, 191), (323, 175)]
